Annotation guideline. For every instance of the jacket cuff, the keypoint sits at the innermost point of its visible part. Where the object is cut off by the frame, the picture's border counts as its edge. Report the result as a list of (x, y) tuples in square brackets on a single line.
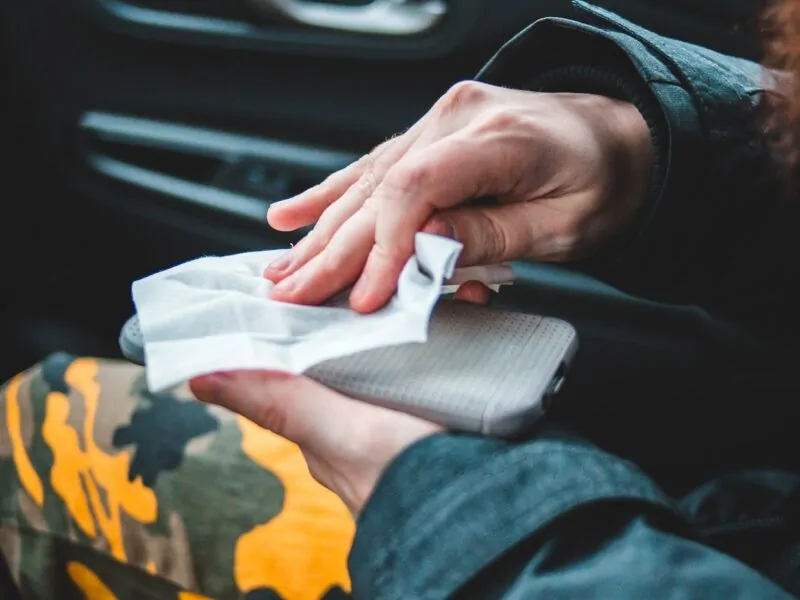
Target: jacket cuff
[(649, 255), (620, 85), (450, 505)]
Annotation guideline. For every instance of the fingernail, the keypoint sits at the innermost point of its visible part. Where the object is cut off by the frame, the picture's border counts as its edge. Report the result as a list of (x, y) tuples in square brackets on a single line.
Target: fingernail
[(209, 387), (224, 375), (287, 286), (441, 227), (217, 379), (449, 230), (360, 288), (281, 263)]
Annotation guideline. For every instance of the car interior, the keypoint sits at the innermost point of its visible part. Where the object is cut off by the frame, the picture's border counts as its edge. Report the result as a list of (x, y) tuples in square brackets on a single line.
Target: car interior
[(143, 133)]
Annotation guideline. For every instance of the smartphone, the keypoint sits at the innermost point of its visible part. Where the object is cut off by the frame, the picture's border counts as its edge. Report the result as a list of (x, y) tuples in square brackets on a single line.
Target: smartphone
[(483, 370)]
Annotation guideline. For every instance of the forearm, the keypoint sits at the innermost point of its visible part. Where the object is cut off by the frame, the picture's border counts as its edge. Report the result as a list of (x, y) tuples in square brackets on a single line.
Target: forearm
[(715, 199), (555, 517)]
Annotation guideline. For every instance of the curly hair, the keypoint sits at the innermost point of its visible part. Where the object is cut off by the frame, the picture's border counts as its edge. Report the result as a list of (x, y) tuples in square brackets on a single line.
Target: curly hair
[(781, 34)]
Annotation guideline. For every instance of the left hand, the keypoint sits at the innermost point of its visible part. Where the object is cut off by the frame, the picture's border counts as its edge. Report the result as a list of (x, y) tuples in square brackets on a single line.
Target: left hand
[(570, 172), (346, 443)]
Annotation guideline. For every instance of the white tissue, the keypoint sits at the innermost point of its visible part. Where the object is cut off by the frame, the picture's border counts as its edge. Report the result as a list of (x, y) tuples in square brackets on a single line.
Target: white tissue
[(214, 314)]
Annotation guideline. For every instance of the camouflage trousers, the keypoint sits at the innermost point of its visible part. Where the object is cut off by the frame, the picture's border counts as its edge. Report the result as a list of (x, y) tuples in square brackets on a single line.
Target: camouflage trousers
[(109, 492)]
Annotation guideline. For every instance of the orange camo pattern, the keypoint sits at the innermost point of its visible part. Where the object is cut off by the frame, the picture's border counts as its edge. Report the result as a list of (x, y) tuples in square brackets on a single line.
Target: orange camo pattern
[(299, 553)]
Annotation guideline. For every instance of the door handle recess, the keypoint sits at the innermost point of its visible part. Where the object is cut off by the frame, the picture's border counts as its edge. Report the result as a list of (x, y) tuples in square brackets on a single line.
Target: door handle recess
[(387, 30), (379, 17), (229, 173)]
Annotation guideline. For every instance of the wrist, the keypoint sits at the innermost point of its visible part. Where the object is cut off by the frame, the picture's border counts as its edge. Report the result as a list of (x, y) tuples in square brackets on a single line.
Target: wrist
[(375, 443), (632, 159), (635, 104)]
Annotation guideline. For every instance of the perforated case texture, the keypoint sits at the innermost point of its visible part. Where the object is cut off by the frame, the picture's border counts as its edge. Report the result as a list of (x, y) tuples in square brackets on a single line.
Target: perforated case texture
[(131, 341), (482, 370)]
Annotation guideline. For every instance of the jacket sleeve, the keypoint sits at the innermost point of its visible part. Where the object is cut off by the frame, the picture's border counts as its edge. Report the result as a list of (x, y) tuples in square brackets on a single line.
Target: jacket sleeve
[(715, 231), (473, 518)]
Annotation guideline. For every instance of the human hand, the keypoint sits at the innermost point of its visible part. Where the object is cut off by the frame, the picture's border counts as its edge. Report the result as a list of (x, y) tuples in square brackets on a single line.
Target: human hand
[(346, 443), (569, 170)]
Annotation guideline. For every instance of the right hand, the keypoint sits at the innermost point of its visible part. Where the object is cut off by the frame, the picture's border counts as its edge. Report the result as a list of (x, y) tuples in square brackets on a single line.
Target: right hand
[(570, 172), (347, 444)]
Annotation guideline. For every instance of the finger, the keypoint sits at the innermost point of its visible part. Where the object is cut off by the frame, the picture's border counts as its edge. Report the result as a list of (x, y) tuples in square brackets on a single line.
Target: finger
[(276, 270), (427, 131), (474, 292), (344, 206), (443, 175), (334, 269), (505, 232), (329, 223), (291, 406), (305, 208)]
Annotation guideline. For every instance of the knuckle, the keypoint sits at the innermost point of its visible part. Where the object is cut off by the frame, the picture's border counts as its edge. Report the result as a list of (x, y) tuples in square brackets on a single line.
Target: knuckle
[(312, 243), (368, 212), (568, 237), (410, 178), (492, 239), (366, 161), (332, 178), (391, 254), (330, 264), (270, 414), (499, 240), (369, 179), (367, 182), (386, 144), (341, 175), (270, 401), (498, 119), (361, 166), (463, 93)]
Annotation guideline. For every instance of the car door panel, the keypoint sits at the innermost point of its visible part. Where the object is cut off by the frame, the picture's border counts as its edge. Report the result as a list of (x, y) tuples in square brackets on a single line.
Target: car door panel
[(138, 144)]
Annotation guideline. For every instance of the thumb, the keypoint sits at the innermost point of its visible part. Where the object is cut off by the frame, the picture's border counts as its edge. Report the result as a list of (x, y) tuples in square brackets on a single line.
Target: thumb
[(504, 232), (291, 406), (473, 292)]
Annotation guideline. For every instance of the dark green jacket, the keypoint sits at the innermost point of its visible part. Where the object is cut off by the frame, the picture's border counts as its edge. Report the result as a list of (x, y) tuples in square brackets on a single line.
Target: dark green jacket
[(677, 477)]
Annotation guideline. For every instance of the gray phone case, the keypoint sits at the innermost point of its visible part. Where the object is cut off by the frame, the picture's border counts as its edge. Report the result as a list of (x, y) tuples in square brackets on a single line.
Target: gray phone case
[(482, 370)]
